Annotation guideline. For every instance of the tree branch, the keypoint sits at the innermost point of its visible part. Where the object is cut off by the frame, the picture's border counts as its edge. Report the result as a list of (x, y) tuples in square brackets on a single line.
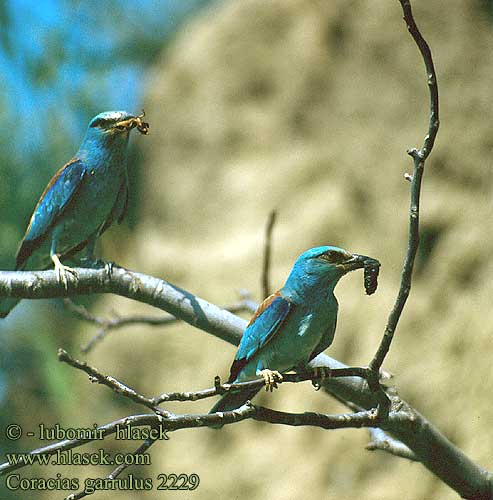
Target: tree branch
[(106, 325), (176, 422), (382, 441), (419, 157), (143, 288), (111, 382), (266, 290), (120, 388), (143, 448)]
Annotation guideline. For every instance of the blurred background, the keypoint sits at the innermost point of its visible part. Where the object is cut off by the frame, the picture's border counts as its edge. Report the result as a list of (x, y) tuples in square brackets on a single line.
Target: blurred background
[(306, 106)]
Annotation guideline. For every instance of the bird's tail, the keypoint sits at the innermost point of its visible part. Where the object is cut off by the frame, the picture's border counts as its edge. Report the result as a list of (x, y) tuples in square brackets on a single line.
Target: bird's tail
[(232, 400), (6, 305)]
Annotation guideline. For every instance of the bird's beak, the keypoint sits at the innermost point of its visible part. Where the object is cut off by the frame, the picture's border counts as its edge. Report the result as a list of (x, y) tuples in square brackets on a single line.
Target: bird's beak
[(354, 262), (135, 121)]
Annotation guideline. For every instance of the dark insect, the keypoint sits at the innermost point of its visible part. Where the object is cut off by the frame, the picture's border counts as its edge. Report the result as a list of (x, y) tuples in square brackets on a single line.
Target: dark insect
[(372, 268), (142, 127), (136, 121)]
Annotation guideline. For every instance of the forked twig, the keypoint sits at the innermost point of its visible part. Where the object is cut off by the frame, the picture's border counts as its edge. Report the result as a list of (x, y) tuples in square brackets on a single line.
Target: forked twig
[(419, 157)]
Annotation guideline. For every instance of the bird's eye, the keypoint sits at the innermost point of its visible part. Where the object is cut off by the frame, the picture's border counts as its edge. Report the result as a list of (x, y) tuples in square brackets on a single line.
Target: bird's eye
[(332, 257), (98, 123), (121, 128)]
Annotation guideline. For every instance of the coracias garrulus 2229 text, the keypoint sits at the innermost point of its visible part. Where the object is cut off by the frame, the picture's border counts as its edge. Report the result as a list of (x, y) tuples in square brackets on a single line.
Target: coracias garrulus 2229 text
[(81, 201), (293, 325)]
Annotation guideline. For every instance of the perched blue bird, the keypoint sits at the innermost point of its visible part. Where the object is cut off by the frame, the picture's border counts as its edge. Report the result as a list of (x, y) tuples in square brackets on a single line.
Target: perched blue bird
[(293, 325), (81, 201)]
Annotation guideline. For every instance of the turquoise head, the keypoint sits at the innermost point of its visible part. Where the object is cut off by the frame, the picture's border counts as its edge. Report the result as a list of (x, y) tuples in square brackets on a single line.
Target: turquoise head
[(109, 131), (317, 271)]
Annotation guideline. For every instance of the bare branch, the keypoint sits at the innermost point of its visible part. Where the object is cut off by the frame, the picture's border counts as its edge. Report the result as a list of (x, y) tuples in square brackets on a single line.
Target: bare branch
[(309, 375), (266, 290), (174, 423), (111, 382), (382, 441), (313, 375), (151, 420), (419, 157), (108, 324), (424, 48), (144, 447), (430, 447), (143, 288), (343, 421)]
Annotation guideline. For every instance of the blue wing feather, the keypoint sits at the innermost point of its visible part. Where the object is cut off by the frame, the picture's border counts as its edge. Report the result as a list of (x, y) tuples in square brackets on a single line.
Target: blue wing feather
[(264, 326), (57, 195)]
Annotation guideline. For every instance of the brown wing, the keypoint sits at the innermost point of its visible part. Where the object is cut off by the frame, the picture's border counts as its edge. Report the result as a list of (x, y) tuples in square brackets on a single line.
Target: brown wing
[(263, 306)]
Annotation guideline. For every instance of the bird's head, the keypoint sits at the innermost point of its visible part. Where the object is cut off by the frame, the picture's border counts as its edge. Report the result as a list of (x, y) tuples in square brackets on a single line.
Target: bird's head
[(318, 270), (108, 133)]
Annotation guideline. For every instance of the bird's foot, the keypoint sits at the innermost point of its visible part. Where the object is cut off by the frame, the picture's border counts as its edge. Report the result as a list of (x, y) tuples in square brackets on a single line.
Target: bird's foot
[(63, 271), (108, 267), (98, 264), (320, 374), (271, 379)]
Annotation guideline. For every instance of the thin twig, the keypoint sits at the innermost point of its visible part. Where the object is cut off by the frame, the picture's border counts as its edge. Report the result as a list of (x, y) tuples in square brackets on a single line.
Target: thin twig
[(189, 421), (146, 420), (382, 441), (419, 157), (105, 325), (143, 448), (139, 451), (309, 375), (111, 382), (314, 375), (266, 289)]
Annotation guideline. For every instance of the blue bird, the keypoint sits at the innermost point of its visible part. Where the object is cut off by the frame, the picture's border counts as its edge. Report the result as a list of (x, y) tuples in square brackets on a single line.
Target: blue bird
[(293, 325), (81, 201)]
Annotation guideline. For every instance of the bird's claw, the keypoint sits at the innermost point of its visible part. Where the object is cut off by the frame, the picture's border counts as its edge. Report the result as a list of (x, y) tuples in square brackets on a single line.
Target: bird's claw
[(98, 264), (320, 373), (63, 271), (108, 267), (271, 379)]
